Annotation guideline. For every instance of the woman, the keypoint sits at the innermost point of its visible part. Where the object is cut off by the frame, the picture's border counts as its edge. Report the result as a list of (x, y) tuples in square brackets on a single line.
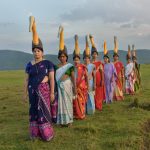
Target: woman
[(118, 91), (90, 106), (100, 89), (65, 84), (129, 74), (137, 75), (109, 76), (40, 86), (81, 76)]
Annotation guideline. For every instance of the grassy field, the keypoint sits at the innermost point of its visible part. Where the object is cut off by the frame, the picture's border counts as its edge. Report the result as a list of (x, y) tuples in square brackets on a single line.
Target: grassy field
[(120, 126)]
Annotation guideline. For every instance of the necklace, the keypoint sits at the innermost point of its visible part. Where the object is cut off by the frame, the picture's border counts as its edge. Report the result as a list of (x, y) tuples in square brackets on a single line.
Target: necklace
[(36, 66)]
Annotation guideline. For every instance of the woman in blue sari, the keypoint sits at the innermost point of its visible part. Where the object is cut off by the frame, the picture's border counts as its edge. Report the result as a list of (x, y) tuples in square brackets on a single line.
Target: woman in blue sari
[(39, 85), (90, 105), (65, 84)]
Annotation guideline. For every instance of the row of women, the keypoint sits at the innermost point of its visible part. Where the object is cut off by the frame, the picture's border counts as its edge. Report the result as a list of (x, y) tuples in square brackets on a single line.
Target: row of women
[(60, 93)]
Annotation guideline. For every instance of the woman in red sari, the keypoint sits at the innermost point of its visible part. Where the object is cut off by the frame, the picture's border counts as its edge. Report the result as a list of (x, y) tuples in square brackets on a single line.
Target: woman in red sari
[(81, 77), (119, 87), (100, 90)]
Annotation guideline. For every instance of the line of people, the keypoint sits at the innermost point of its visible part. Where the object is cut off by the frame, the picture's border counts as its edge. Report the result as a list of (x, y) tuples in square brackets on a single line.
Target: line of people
[(60, 93)]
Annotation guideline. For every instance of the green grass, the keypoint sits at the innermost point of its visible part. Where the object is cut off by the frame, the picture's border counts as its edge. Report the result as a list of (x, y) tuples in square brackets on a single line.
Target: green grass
[(120, 126)]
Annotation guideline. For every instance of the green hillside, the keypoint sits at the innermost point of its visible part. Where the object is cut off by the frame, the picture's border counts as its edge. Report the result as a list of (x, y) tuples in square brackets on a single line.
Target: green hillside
[(15, 60)]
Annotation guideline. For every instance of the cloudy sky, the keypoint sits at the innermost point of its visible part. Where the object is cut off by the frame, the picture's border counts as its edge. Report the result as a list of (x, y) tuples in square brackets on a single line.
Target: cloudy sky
[(129, 20)]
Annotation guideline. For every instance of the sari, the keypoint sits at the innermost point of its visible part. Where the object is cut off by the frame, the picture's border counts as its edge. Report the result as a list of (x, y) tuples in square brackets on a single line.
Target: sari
[(109, 80), (137, 76), (65, 96), (39, 100), (79, 102), (90, 105), (129, 74), (100, 89), (118, 90)]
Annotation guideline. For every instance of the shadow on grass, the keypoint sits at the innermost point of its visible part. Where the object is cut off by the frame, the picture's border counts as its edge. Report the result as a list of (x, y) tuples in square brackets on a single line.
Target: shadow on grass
[(135, 103)]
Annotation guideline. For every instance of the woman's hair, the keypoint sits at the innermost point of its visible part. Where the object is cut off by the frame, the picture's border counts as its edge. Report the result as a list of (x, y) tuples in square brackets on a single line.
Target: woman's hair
[(62, 52), (76, 56)]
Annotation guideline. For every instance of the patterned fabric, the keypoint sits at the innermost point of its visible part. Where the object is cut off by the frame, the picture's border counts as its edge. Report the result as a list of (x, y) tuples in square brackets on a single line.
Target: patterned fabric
[(100, 89), (129, 74), (80, 101), (118, 90), (39, 99), (90, 106), (109, 78), (40, 117), (65, 96)]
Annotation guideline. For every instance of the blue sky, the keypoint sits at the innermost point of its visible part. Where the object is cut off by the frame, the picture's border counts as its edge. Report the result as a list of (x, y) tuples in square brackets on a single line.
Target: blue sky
[(129, 20)]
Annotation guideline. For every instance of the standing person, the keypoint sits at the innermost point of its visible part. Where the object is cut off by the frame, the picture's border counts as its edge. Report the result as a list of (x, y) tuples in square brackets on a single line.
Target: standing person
[(137, 82), (100, 89), (81, 76), (39, 84), (65, 83), (109, 76), (129, 74), (119, 87), (90, 106)]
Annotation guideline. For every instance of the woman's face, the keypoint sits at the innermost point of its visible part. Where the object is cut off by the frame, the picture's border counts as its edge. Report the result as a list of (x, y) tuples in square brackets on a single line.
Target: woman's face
[(38, 54), (116, 58), (63, 58), (128, 60), (94, 55), (76, 61), (86, 60), (106, 60)]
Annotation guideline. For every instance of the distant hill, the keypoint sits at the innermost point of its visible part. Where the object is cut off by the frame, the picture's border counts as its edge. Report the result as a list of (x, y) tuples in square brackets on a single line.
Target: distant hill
[(15, 60)]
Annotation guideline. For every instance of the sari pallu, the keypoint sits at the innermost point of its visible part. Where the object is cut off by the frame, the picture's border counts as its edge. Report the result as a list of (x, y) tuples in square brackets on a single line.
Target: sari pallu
[(81, 98), (100, 89), (65, 96), (40, 118), (90, 105), (118, 90), (129, 74)]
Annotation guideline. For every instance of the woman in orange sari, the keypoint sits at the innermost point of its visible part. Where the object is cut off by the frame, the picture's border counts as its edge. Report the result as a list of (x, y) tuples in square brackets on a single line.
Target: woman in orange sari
[(100, 89), (81, 76), (119, 87)]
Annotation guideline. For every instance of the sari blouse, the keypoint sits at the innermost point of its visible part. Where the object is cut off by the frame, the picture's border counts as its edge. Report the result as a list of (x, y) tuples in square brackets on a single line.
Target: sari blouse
[(38, 71)]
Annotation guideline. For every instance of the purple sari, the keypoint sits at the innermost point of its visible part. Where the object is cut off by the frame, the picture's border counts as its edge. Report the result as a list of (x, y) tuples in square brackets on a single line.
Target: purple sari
[(109, 72)]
